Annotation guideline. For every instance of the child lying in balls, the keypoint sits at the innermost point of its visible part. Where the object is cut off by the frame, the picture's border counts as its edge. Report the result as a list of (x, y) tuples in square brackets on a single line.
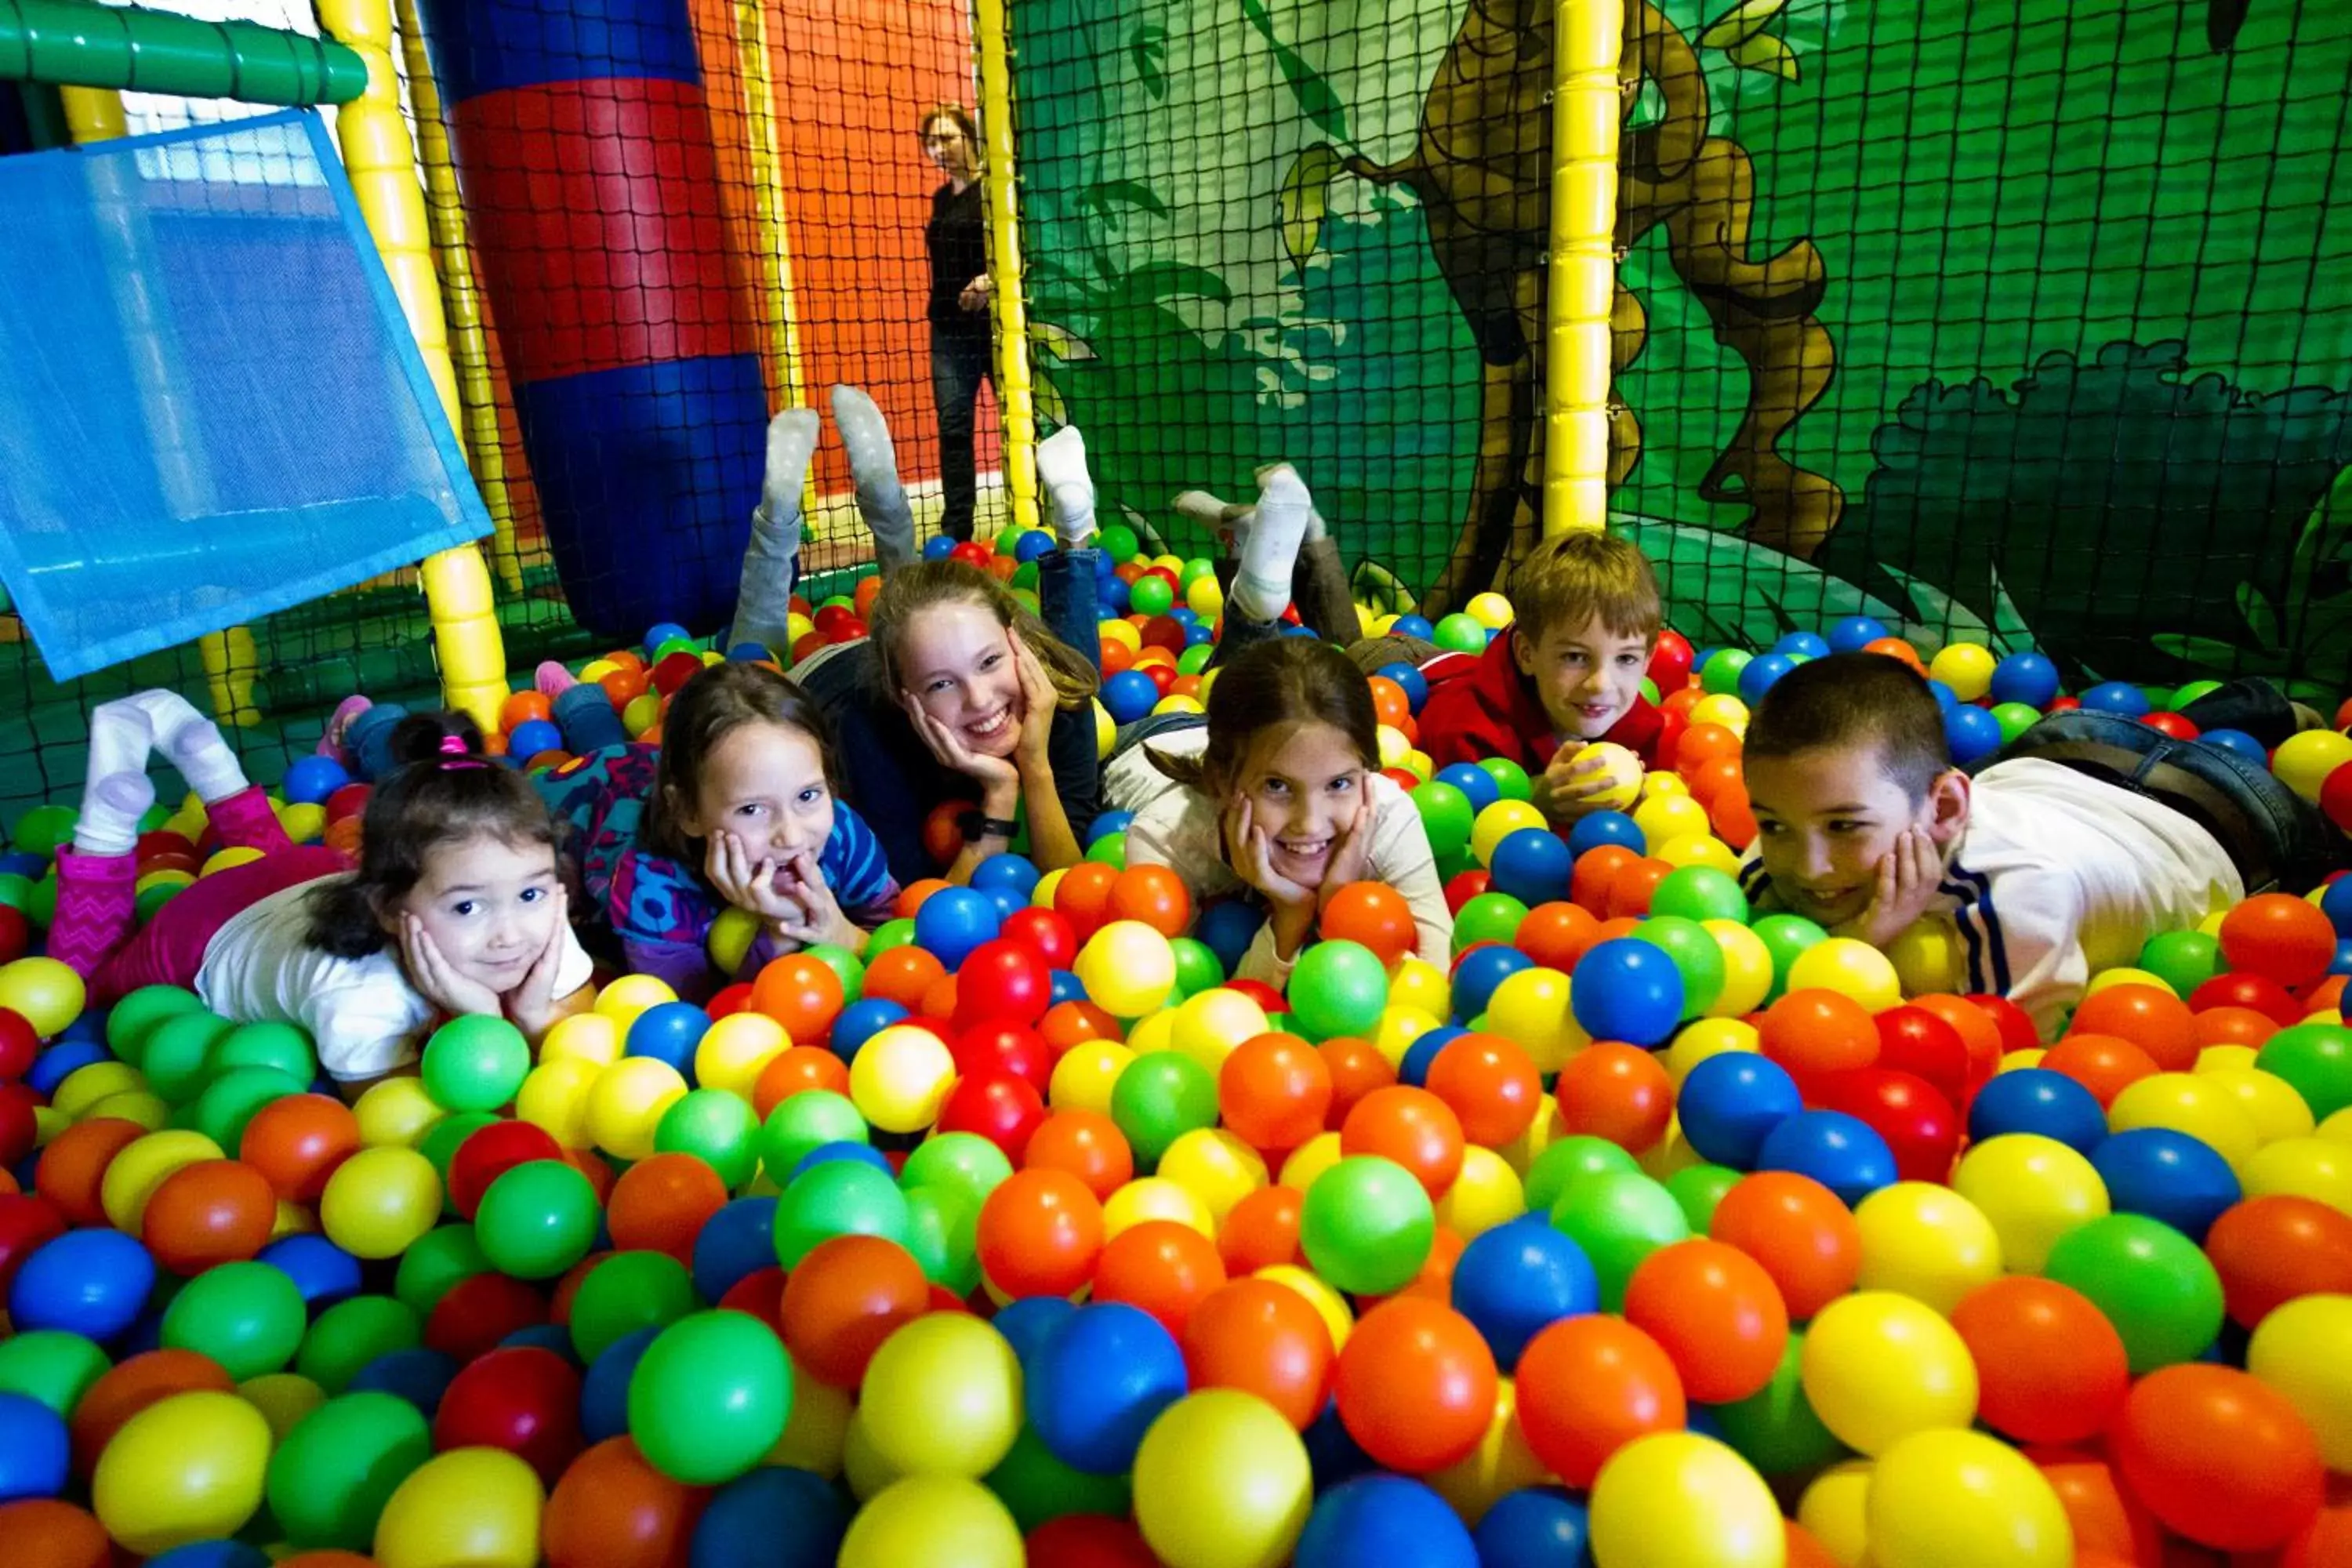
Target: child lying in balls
[(2059, 855)]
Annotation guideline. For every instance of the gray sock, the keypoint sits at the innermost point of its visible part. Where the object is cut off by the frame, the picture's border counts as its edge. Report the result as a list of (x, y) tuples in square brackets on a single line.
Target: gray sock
[(764, 604), (1260, 588), (881, 499)]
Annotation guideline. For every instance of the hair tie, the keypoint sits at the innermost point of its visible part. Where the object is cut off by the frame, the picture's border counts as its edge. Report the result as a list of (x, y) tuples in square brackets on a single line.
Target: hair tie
[(453, 744), (453, 747)]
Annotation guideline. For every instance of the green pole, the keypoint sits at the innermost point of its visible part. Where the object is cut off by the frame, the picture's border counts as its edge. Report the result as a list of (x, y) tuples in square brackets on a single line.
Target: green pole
[(73, 43)]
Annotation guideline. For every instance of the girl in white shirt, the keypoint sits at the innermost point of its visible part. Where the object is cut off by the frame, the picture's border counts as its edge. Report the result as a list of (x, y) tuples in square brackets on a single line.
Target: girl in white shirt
[(456, 906), (1281, 794)]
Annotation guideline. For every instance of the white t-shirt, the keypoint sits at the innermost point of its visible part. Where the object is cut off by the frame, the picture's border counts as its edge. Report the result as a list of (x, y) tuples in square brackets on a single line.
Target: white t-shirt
[(364, 1014), (2059, 875), (1177, 827)]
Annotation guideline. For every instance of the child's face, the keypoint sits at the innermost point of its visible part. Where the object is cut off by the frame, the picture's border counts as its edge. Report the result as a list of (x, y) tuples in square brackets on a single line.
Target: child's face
[(957, 661), (1588, 677), (489, 905), (1303, 789), (1826, 818), (764, 784)]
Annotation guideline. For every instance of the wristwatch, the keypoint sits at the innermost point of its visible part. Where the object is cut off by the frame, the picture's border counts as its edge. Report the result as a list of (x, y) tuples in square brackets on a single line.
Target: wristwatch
[(978, 826)]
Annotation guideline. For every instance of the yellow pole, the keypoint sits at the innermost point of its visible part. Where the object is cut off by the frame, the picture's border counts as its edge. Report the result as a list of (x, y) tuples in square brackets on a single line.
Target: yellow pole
[(93, 113), (381, 163), (469, 343), (1013, 395), (1587, 36), (769, 212)]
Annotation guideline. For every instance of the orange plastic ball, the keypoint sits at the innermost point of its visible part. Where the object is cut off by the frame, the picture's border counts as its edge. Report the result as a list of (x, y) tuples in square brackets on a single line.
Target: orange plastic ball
[(297, 1142), (1274, 1091), (1389, 704), (1087, 1144), (522, 708), (801, 993), (1588, 1385), (1616, 1091), (1557, 934), (1264, 1339), (800, 1067), (1595, 870), (2278, 936), (902, 975), (1165, 1267), (1262, 1231), (1357, 1069), (661, 1203), (1416, 1386), (847, 1296), (1815, 1032), (1490, 1084), (1633, 885), (2103, 1064), (2155, 1020), (2050, 1366), (1076, 1021), (1083, 896), (1717, 1314), (1040, 1234), (1153, 895), (1798, 1231), (911, 896), (1373, 914), (1411, 1127), (1705, 744), (42, 1532), (214, 1211), (612, 1510)]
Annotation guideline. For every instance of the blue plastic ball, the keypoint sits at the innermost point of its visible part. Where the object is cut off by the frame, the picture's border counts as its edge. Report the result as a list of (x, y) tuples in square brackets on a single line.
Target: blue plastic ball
[(2237, 742), (1414, 1070), (1008, 901), (555, 1337), (1856, 633), (954, 921), (1479, 971), (1532, 865), (1729, 1104), (1129, 695), (1473, 781), (668, 1032), (1066, 987), (88, 1282), (2037, 1100), (1627, 990), (1757, 676), (533, 736), (1195, 635), (1291, 631), (1946, 698), (1028, 1323), (1517, 1280), (310, 780), (1111, 595), (1597, 828), (1534, 1527), (2167, 1176), (1971, 733), (605, 1391), (1802, 645), (59, 1061), (1333, 1455), (35, 1448), (841, 1149), (1842, 1152), (666, 631), (1103, 1375), (2029, 677), (2117, 696), (1108, 823), (212, 1555), (749, 653), (1412, 626), (860, 1022), (1414, 684), (738, 1241), (2340, 965), (774, 1517), (1384, 1519), (1226, 928), (1017, 872), (939, 547), (323, 1272), (1032, 544), (418, 1374)]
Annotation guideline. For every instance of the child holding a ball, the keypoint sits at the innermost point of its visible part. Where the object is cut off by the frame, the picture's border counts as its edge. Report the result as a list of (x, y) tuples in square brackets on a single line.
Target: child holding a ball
[(1559, 690), (456, 906), (1279, 794)]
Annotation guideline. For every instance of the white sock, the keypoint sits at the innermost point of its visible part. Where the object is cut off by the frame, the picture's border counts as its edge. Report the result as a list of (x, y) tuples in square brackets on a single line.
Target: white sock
[(110, 809), (1262, 585), (763, 603), (881, 497), (1062, 466), (1315, 524), (194, 745), (120, 735)]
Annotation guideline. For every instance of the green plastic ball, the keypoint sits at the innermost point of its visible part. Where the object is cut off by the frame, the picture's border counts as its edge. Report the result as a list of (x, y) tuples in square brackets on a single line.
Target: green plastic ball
[(2015, 718), (15, 890), (1038, 1488), (2183, 960), (2151, 1281), (2315, 1061), (1698, 1189), (1563, 1159), (155, 897), (1338, 988), (1698, 957), (942, 1233), (1487, 916), (1197, 968), (248, 1317), (537, 1219), (801, 1123), (626, 1292), (1194, 659), (1618, 1218), (229, 1101), (177, 1056), (846, 966), (2191, 692), (1445, 815), (718, 1127), (475, 1063), (329, 1479), (1119, 541), (436, 1264), (1786, 936), (1110, 850), (1509, 777), (1157, 1099), (52, 1366), (1699, 893), (43, 830), (1775, 1428), (837, 1197), (710, 1397), (1151, 596), (961, 1162), (1720, 678), (285, 1046), (889, 934), (1366, 1225), (352, 1333), (1458, 632)]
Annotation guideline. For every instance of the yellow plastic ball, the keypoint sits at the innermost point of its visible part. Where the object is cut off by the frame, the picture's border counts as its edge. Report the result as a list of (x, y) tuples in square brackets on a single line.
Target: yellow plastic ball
[(1944, 1498), (2190, 1103), (1658, 782), (2337, 1129), (2016, 1062), (591, 1038), (304, 821), (85, 1086), (1532, 1008), (135, 1105), (225, 860), (1392, 746), (2270, 1102), (1878, 1367), (1487, 1192), (1042, 896), (44, 992), (1215, 1167), (1398, 1027), (2316, 1168), (1747, 969), (554, 1098), (642, 714), (934, 1519), (187, 1467), (1622, 768), (1419, 763), (1502, 1463), (2107, 979), (1499, 822), (1205, 598), (1699, 850), (397, 1113), (1666, 817), (1852, 969), (2298, 1349), (1106, 731), (817, 1429), (900, 1077), (1835, 1511), (1490, 610), (736, 1049), (1926, 957), (2303, 762), (730, 939), (630, 994), (627, 1102), (1674, 1498), (1177, 702), (862, 1466), (942, 1397), (284, 1398), (1309, 1161), (1083, 1080), (1521, 1151), (1721, 708), (1221, 1481), (1338, 1320), (1209, 1026), (2213, 1059), (1925, 1242), (1707, 1037), (1964, 667), (1417, 983), (380, 1201), (1126, 633), (1127, 969), (1155, 1197), (1156, 1033), (2033, 1189), (141, 1166), (470, 1508)]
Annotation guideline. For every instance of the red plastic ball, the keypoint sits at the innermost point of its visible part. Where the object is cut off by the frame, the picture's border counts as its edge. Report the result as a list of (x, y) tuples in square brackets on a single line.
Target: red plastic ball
[(2279, 937), (1001, 1107), (1003, 982), (2170, 723), (2258, 991), (27, 1220), (1465, 885), (524, 1399), (1915, 1041), (490, 1153), (1914, 1116), (1006, 1048), (479, 1312), (1044, 932), (612, 1510)]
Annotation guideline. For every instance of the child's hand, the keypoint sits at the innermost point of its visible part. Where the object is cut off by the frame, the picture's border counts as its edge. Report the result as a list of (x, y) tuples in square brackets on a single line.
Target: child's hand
[(992, 773), (1039, 703), (816, 914), (1351, 856), (1250, 850), (746, 884), (530, 1006), (1907, 876), (436, 979), (1564, 789)]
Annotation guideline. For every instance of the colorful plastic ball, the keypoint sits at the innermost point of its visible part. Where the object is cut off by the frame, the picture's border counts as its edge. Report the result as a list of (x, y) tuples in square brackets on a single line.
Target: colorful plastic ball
[(1840, 1151), (1950, 1496), (2050, 1366), (92, 1283), (901, 1078), (537, 1219), (1627, 990), (1127, 968), (2038, 1101), (1534, 1527), (2316, 1062), (42, 990), (1095, 1384), (247, 1317), (1338, 988), (2295, 1351), (348, 1335), (709, 1397), (1677, 1497), (1221, 1481), (627, 1102), (2161, 1293), (1617, 1218), (2302, 761), (777, 1516), (1715, 1312), (2220, 1458), (1879, 1367), (380, 1201), (1367, 1225), (475, 1063), (470, 1508), (942, 1397), (333, 1472), (1380, 1518), (2024, 676), (189, 1467), (1730, 1104), (1851, 634), (837, 1198), (2167, 1176), (1588, 1385), (35, 1449), (932, 1519)]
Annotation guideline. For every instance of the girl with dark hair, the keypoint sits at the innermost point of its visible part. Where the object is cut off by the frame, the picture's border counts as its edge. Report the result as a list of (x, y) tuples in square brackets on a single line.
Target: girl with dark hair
[(735, 809), (456, 906), (1280, 795)]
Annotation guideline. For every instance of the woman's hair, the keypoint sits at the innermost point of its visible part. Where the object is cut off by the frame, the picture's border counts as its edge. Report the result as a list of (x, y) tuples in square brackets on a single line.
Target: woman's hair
[(955, 112), (911, 590), (1283, 681), (713, 704), (444, 791)]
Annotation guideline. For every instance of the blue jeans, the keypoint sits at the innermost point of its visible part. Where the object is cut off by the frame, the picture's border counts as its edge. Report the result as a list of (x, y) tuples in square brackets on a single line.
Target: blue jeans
[(2275, 838), (960, 363)]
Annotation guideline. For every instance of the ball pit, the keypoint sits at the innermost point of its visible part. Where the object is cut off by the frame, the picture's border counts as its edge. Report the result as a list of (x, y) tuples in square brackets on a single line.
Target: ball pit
[(1651, 1232)]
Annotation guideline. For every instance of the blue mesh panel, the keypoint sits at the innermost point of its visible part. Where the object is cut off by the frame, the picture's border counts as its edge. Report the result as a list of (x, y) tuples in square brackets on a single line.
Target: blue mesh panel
[(211, 407)]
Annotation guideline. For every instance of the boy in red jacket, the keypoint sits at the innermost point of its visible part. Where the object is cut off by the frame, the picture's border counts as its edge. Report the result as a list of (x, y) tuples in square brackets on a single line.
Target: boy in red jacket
[(1568, 672)]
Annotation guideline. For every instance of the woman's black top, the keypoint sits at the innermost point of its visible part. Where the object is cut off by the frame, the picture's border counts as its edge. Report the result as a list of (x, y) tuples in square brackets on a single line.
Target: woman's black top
[(958, 249)]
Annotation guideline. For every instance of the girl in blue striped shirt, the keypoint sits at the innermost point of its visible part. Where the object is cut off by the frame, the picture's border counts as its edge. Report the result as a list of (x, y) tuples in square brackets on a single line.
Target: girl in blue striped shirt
[(736, 809)]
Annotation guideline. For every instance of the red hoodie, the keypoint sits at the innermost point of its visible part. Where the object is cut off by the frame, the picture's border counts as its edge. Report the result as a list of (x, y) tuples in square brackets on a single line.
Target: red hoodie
[(1487, 708)]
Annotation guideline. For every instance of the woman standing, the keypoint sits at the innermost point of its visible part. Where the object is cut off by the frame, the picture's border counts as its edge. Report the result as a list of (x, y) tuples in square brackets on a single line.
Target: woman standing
[(959, 307)]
